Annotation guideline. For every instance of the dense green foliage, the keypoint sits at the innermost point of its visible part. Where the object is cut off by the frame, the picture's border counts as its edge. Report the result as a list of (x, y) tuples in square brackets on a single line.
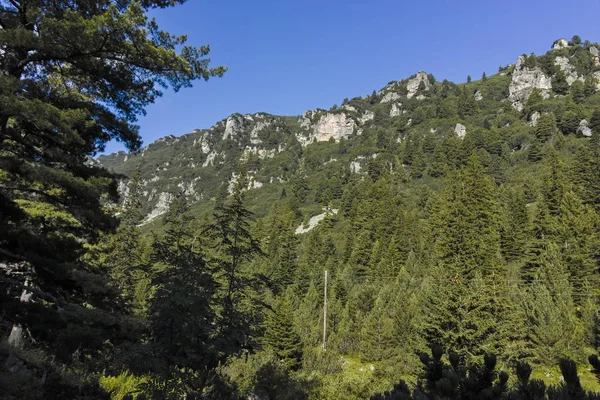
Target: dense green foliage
[(447, 216), (439, 380), (73, 76)]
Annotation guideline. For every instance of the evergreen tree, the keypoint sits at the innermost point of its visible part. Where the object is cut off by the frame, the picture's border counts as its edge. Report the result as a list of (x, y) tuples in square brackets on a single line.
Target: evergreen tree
[(515, 226), (577, 92), (590, 84), (182, 321), (378, 330), (233, 249), (467, 105), (559, 82), (466, 228), (125, 254), (595, 121), (554, 329), (280, 334), (545, 128), (73, 76)]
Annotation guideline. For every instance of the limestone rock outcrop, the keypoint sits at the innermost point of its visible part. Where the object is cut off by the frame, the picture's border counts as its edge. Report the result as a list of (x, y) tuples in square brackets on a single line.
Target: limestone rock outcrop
[(524, 81), (566, 67), (413, 84), (161, 207), (396, 110), (533, 119), (330, 125), (583, 128), (460, 130), (367, 116), (560, 44), (233, 125), (390, 96)]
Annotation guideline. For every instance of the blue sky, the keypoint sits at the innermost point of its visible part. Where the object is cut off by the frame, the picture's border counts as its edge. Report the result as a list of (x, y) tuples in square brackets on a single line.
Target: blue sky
[(285, 57)]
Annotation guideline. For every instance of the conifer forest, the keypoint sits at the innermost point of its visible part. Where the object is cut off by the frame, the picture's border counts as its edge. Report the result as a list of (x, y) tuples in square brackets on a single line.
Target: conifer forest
[(431, 240)]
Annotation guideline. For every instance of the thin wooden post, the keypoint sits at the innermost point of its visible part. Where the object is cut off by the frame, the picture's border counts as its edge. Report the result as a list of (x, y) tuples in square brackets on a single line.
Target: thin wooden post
[(325, 313)]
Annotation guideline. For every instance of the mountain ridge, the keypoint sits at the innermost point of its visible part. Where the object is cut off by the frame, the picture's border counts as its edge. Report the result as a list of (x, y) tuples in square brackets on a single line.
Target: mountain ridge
[(273, 146)]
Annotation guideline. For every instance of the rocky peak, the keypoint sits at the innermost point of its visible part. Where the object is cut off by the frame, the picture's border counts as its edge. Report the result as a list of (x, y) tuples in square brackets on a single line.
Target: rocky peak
[(233, 125), (560, 44), (566, 67), (524, 81), (413, 84)]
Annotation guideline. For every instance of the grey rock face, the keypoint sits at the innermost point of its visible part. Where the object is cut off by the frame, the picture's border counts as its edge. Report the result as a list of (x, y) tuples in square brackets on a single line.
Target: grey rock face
[(368, 116), (566, 67), (533, 119), (396, 110), (524, 81), (460, 130), (560, 44), (583, 128), (390, 96), (413, 84), (330, 125)]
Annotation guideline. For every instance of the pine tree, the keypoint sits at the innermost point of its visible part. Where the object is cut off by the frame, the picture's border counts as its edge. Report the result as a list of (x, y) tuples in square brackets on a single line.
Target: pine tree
[(545, 128), (181, 317), (73, 76), (515, 226), (378, 330), (467, 105), (559, 82), (589, 87), (309, 316), (554, 329), (234, 248), (280, 334), (578, 239), (466, 228), (577, 92), (595, 121), (125, 254)]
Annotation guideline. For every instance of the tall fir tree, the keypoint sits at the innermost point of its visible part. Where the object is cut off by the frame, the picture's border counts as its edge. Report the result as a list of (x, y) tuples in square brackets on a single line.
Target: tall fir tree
[(281, 336), (234, 247), (73, 76)]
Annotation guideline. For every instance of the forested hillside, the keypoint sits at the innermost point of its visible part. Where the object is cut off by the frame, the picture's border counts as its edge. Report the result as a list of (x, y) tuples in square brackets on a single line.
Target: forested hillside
[(320, 256), (458, 214)]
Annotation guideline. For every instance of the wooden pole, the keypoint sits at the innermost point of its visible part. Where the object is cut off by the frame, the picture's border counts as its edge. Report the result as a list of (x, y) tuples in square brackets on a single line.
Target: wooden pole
[(325, 313)]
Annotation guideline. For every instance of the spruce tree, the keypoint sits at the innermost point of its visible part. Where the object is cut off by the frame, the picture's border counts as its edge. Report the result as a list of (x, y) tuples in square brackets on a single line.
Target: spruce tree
[(467, 105), (545, 128), (182, 319), (234, 247), (559, 82), (377, 334), (467, 225), (515, 225), (73, 76), (280, 334)]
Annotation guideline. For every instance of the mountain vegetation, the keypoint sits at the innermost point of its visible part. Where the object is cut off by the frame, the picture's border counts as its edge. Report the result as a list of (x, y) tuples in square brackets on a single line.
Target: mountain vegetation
[(320, 256)]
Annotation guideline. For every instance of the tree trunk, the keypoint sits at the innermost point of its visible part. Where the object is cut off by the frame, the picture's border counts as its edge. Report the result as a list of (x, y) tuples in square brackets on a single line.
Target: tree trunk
[(17, 335)]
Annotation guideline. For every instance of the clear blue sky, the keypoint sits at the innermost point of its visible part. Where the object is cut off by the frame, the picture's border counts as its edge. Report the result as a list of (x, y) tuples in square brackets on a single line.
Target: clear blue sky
[(286, 56)]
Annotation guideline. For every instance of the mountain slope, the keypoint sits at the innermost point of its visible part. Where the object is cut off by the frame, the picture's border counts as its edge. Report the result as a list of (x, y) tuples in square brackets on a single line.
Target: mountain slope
[(395, 125)]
